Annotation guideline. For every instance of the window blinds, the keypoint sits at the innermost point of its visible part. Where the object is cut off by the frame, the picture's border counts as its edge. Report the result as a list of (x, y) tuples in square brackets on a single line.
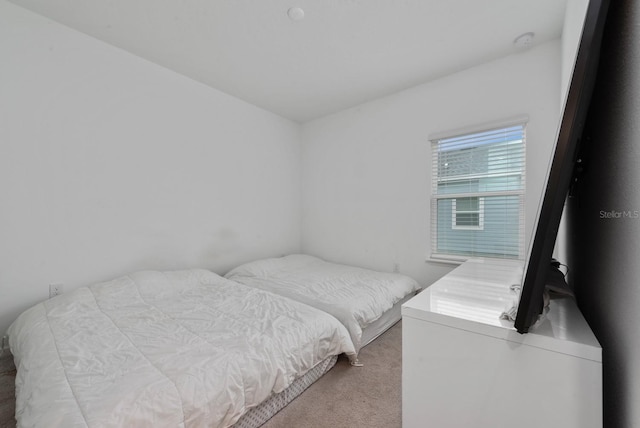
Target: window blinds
[(477, 204)]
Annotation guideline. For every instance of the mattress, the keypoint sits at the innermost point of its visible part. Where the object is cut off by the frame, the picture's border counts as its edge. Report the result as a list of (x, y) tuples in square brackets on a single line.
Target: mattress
[(384, 323), (356, 297), (156, 349)]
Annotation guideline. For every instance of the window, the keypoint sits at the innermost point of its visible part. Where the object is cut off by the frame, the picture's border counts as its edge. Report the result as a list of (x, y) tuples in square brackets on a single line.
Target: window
[(467, 213), (477, 202)]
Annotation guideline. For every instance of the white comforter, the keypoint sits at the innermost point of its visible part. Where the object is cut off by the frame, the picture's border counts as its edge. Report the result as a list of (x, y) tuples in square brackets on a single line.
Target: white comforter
[(355, 296), (155, 349)]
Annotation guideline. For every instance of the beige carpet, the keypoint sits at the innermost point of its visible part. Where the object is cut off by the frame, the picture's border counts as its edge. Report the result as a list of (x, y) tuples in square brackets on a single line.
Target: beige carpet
[(347, 396)]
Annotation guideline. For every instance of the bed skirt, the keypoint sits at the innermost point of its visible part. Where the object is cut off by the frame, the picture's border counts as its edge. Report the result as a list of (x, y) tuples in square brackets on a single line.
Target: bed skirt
[(262, 413)]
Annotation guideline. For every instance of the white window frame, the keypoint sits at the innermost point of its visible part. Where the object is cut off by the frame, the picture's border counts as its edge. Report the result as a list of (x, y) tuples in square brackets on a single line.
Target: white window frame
[(452, 258)]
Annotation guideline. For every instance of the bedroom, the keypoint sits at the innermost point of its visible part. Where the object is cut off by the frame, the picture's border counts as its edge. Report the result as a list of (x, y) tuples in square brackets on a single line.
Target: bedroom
[(116, 164)]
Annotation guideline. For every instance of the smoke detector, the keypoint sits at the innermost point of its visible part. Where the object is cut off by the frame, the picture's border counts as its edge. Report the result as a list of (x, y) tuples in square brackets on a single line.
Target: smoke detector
[(524, 41)]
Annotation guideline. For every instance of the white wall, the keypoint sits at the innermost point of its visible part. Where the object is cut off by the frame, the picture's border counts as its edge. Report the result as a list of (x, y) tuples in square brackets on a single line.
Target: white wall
[(366, 171), (110, 164)]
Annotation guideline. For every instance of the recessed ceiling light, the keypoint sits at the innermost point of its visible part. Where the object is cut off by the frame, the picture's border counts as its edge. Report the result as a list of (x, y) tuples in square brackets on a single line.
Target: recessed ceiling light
[(524, 40), (295, 13)]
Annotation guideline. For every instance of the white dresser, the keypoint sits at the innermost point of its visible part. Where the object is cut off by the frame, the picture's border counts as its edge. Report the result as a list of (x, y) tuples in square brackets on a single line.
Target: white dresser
[(465, 367)]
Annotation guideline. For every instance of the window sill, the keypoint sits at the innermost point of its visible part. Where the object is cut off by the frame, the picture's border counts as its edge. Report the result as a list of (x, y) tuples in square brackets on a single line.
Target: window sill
[(446, 260)]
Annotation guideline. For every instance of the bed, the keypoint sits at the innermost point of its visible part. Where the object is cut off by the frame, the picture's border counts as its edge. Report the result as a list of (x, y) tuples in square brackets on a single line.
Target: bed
[(365, 301), (175, 349)]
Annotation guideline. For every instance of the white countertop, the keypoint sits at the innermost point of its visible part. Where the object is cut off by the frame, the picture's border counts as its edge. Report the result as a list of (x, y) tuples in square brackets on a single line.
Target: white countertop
[(474, 295)]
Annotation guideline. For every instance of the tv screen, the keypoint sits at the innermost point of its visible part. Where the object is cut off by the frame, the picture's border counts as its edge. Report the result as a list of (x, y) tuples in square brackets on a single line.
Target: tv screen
[(562, 167)]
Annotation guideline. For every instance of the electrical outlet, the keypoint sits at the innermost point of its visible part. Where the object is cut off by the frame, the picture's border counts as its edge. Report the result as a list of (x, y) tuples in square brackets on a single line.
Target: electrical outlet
[(396, 267), (55, 289)]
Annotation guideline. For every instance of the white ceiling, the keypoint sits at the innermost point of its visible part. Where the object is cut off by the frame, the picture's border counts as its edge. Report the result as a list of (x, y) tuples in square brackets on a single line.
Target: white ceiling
[(343, 53)]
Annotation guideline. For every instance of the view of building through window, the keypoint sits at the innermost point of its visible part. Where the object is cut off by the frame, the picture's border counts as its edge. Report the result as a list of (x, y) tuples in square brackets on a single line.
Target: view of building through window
[(467, 213)]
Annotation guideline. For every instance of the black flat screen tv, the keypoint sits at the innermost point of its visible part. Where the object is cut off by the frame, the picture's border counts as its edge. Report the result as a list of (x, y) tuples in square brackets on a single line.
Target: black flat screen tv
[(562, 167)]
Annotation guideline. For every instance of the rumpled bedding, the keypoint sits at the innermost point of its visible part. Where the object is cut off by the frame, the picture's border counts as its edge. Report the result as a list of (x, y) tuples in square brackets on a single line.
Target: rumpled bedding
[(357, 297), (163, 349)]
